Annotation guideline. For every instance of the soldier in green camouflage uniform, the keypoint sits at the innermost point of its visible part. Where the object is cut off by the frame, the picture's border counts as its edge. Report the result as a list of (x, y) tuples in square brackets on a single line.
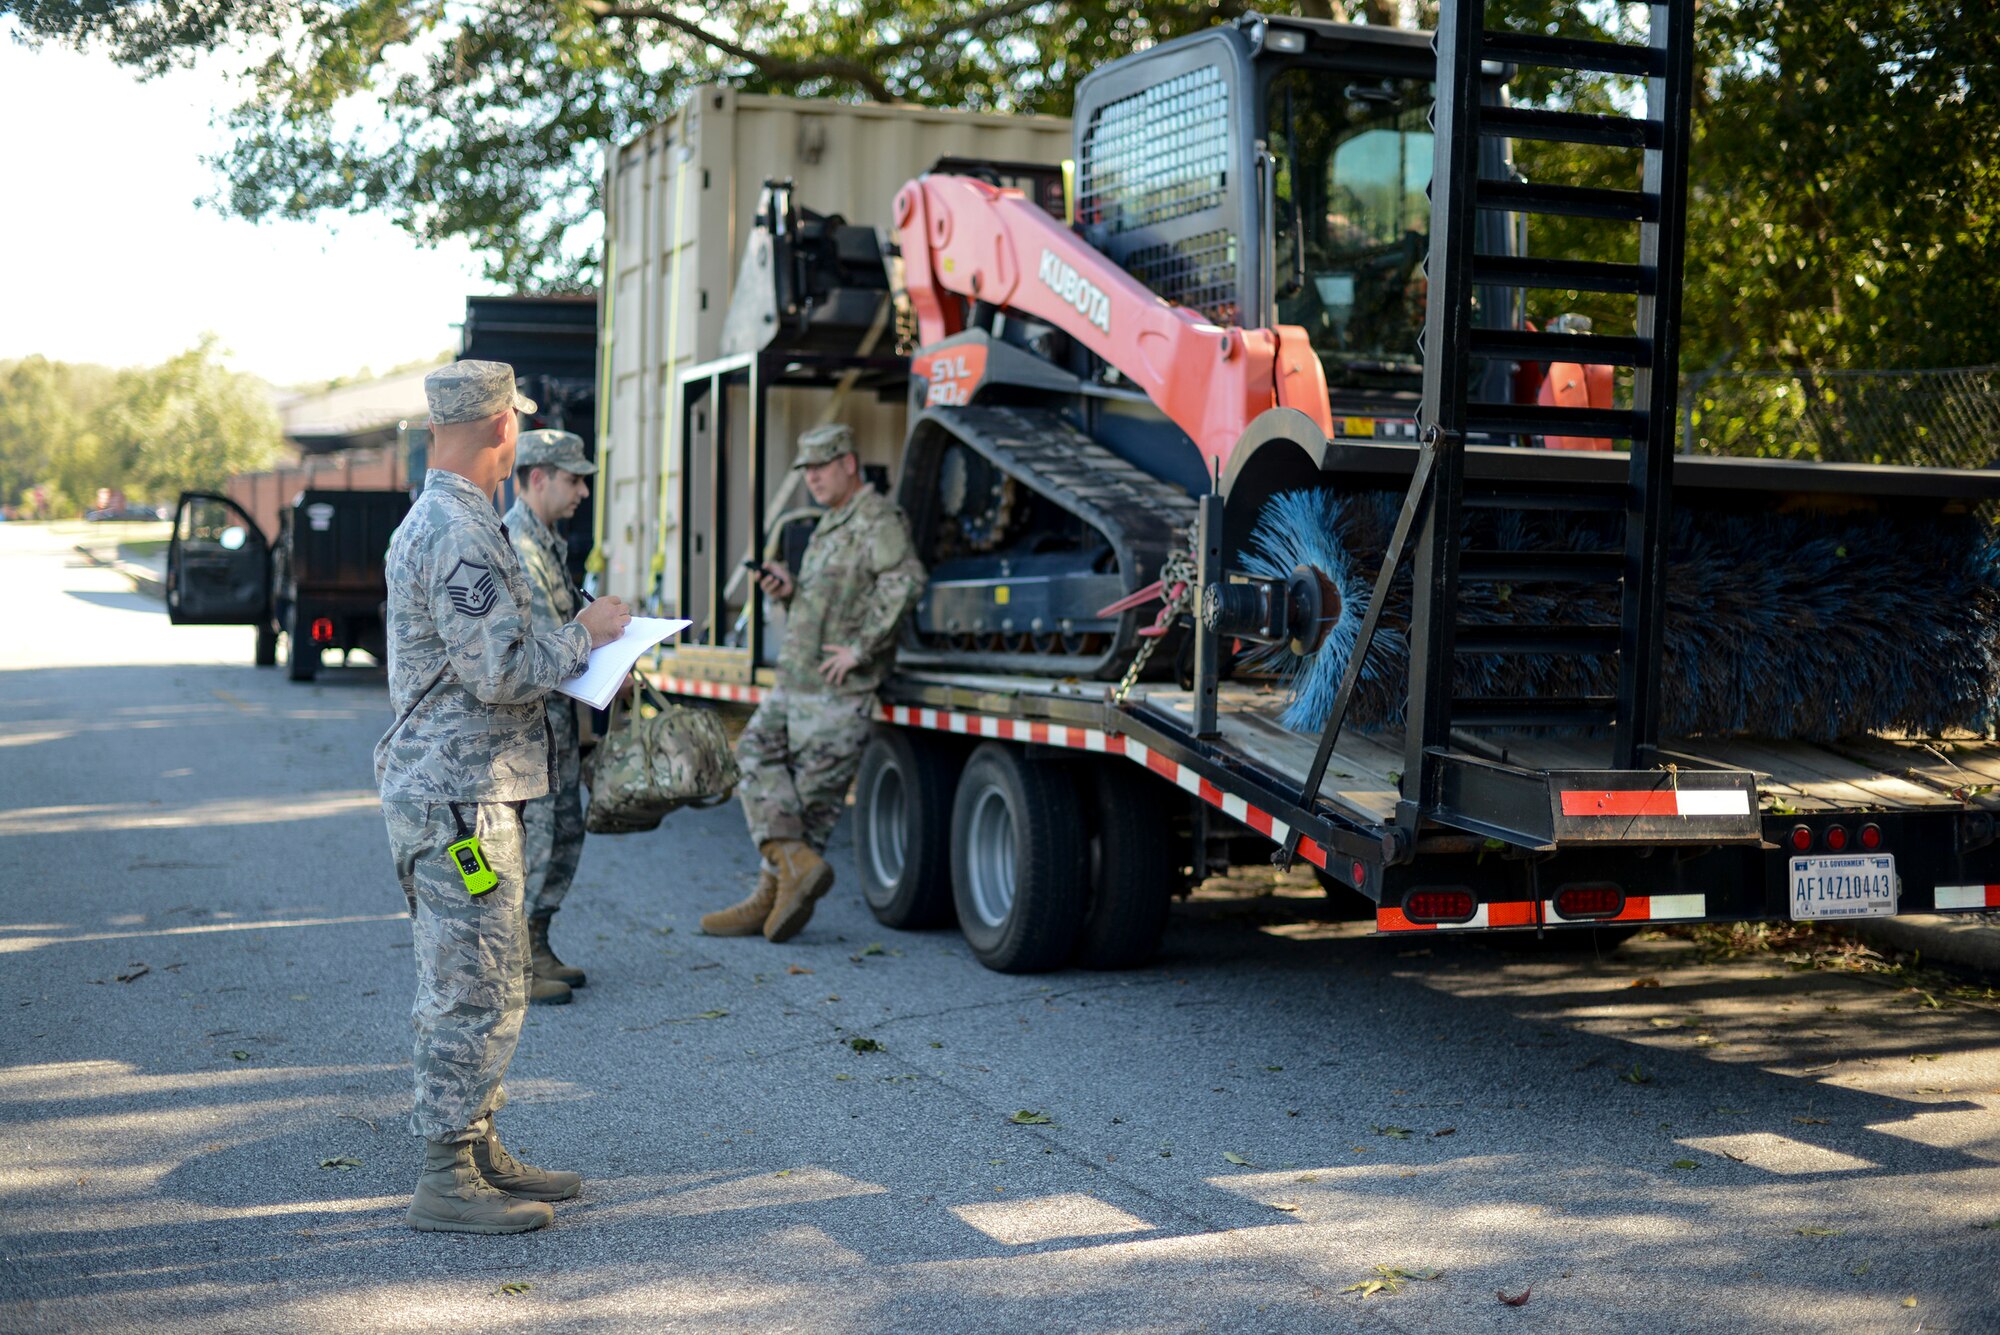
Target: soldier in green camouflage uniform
[(859, 578), (470, 744), (549, 472)]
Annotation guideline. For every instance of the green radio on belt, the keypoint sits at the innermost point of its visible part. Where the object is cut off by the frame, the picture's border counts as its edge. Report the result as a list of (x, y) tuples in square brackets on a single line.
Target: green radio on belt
[(472, 868)]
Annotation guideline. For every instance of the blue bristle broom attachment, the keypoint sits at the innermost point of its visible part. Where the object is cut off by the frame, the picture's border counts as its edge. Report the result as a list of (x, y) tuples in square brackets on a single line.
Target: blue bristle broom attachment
[(1805, 626)]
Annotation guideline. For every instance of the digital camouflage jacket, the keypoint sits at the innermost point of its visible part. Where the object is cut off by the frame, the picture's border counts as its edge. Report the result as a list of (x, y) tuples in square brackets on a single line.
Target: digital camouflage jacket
[(467, 672)]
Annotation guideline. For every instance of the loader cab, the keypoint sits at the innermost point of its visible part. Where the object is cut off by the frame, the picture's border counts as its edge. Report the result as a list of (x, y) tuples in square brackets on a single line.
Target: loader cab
[(1275, 171)]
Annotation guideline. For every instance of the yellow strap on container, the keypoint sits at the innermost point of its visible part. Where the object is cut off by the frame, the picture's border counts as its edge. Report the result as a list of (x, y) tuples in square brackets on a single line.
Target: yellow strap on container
[(658, 569), (607, 285)]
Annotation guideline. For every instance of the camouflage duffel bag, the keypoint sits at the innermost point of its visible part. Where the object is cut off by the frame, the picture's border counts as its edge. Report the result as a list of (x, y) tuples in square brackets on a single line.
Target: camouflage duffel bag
[(657, 758)]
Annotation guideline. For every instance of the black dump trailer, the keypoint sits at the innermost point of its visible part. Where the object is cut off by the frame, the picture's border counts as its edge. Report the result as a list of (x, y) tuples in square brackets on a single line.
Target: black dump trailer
[(317, 584)]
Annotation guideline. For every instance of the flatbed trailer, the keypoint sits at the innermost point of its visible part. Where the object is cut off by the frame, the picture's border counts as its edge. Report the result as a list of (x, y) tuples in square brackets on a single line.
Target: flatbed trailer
[(1933, 801)]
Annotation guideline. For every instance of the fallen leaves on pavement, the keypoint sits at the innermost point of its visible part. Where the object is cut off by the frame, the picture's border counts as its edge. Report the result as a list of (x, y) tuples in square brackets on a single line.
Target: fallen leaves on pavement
[(1390, 1279), (1518, 1300)]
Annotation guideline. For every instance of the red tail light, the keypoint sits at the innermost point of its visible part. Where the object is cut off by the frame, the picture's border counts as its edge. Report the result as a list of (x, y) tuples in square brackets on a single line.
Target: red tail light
[(1801, 839), (1836, 837), (1360, 870), (1871, 837), (322, 630), (1601, 900), (1439, 906)]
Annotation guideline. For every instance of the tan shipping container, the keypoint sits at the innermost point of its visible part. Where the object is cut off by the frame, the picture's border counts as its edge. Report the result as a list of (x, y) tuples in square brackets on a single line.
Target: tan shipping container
[(679, 201)]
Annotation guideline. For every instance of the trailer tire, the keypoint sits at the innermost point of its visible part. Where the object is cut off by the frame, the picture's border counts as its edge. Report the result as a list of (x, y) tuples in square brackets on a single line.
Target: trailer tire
[(902, 828), (1018, 860), (267, 645), (1131, 869), (301, 662)]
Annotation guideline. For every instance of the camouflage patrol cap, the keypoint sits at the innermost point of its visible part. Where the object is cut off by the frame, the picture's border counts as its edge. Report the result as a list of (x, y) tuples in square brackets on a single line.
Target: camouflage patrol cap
[(548, 448), (824, 444), (472, 391)]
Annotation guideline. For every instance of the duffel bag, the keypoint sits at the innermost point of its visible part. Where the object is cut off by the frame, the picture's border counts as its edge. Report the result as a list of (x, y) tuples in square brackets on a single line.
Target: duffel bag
[(656, 758)]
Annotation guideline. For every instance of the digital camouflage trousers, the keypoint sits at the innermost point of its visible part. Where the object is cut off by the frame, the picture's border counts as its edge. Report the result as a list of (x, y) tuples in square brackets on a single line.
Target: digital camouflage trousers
[(472, 959), (552, 826), (798, 754)]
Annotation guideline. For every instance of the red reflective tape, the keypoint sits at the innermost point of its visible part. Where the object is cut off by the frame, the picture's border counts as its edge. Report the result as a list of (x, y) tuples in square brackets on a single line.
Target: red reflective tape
[(1259, 821), (1518, 913), (1621, 802), (1392, 920), (1210, 793), (1162, 766), (1038, 732), (1638, 908), (1310, 851)]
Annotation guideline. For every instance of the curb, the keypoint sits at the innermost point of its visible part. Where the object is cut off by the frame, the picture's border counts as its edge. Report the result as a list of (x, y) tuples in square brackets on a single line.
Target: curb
[(1967, 942), (143, 579)]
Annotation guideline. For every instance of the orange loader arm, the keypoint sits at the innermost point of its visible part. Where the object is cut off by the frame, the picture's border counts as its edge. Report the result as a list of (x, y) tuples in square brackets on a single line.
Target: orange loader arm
[(964, 240)]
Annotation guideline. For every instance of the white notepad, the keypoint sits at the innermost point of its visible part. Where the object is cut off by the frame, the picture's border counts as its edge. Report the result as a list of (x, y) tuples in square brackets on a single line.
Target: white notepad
[(610, 664)]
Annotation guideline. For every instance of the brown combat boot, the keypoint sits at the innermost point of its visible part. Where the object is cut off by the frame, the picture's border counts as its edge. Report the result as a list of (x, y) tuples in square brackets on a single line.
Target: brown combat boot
[(451, 1197), (543, 958), (548, 991), (803, 876), (746, 918), (503, 1170)]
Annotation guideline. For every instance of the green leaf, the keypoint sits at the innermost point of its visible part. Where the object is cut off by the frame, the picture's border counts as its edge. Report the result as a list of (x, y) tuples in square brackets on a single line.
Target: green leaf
[(1237, 1159), (1636, 1076), (873, 948), (711, 1015), (343, 1163), (240, 1055), (1817, 1232), (860, 1044), (1399, 1132), (1686, 1164), (1028, 1117), (513, 1288)]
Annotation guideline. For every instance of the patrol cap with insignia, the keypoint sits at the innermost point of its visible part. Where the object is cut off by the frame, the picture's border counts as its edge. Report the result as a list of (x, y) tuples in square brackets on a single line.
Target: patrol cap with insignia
[(548, 448), (472, 392), (824, 444)]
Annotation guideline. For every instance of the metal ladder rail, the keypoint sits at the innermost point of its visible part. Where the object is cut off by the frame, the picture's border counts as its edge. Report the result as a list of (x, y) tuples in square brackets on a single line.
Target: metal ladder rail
[(1451, 340)]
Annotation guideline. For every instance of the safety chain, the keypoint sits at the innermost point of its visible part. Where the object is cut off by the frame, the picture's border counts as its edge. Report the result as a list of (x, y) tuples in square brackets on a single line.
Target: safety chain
[(1177, 582)]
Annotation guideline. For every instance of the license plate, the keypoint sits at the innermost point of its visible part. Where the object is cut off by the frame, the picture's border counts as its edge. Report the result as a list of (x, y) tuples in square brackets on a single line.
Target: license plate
[(1862, 885)]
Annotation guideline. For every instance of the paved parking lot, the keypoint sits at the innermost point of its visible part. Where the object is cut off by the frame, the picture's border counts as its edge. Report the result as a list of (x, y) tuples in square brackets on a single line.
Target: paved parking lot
[(204, 1076)]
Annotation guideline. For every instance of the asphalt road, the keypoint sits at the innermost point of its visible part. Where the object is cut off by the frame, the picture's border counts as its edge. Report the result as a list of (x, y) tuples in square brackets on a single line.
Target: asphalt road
[(206, 987)]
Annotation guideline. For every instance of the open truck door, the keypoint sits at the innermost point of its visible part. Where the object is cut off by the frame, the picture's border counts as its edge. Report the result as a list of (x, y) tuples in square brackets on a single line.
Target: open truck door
[(219, 569)]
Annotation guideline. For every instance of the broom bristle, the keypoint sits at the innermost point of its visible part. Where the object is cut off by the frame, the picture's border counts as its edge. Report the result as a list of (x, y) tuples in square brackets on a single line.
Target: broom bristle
[(1801, 626)]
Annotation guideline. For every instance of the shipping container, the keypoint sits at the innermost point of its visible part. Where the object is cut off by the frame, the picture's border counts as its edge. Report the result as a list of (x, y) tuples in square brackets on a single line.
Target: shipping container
[(679, 202)]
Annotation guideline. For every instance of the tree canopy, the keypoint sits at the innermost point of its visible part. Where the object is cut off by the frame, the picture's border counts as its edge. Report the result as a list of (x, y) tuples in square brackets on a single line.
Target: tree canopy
[(1842, 203), (152, 431)]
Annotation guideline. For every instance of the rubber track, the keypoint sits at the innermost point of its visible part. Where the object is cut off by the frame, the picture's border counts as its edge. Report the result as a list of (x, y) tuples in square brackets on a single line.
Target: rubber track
[(1145, 518)]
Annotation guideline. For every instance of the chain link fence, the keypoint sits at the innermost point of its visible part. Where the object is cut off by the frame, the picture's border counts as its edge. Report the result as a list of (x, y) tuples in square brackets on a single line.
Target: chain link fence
[(1938, 419)]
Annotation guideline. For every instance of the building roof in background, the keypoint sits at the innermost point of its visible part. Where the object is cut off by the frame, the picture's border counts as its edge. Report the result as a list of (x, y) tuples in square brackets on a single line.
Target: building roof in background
[(357, 414)]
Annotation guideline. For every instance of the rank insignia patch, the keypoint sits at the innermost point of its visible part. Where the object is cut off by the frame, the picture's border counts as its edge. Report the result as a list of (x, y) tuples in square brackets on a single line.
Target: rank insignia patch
[(471, 587)]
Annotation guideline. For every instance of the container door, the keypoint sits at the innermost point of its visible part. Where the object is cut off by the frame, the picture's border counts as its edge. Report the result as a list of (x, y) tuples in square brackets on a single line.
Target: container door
[(218, 565)]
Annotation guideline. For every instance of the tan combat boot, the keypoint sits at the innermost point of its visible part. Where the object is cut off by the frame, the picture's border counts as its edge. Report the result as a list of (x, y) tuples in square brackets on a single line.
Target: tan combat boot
[(746, 918), (542, 957), (503, 1170), (803, 876), (548, 991), (452, 1197)]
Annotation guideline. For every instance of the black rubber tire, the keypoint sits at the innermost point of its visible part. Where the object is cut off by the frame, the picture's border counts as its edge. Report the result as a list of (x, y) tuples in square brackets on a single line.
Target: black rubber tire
[(1132, 868), (902, 827), (300, 664), (267, 645), (1015, 827)]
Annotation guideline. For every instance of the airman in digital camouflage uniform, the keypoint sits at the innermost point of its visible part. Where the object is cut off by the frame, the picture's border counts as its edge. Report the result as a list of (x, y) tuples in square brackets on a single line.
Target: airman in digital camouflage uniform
[(549, 472), (470, 744), (859, 577)]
